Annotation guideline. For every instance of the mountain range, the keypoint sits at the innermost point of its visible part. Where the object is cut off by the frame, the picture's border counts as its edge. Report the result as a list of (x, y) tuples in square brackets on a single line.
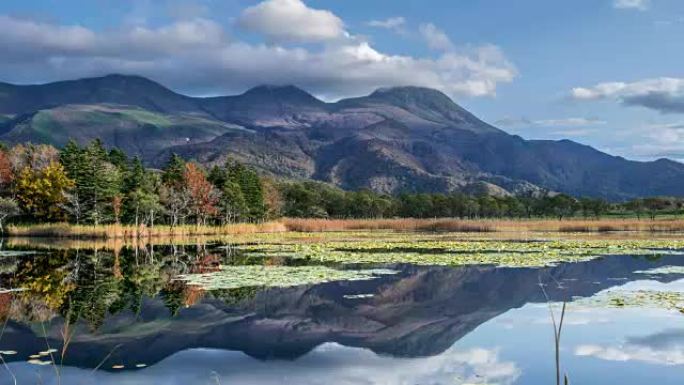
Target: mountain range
[(394, 140)]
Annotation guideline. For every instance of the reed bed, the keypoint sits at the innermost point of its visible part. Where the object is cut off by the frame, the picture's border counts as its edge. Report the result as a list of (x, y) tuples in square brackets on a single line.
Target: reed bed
[(403, 224), (572, 225), (114, 231)]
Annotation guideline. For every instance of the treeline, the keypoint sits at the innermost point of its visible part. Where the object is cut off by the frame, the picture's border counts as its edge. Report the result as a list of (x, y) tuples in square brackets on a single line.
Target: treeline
[(314, 199), (92, 185)]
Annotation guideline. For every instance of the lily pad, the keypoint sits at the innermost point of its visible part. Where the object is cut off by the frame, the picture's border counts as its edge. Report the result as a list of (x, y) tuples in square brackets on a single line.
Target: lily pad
[(664, 270), (234, 277)]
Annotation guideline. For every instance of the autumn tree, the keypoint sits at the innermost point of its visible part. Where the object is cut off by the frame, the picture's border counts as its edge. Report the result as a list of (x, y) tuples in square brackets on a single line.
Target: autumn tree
[(203, 195), (6, 172), (273, 200), (41, 192)]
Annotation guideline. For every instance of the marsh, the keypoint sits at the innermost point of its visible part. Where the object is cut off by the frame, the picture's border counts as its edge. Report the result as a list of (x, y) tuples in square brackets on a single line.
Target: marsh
[(300, 308)]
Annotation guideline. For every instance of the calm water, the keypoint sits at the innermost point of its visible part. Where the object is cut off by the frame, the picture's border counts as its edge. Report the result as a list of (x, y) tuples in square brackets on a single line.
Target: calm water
[(126, 320)]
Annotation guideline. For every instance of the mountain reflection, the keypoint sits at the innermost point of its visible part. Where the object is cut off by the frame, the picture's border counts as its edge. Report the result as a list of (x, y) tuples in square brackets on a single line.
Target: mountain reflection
[(126, 304)]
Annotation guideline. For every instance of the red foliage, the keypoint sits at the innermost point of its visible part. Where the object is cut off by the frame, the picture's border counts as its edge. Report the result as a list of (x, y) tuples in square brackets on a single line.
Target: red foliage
[(6, 172), (203, 195)]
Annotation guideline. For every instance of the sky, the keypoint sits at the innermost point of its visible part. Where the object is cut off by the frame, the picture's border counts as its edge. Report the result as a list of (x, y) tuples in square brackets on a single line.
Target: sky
[(607, 73)]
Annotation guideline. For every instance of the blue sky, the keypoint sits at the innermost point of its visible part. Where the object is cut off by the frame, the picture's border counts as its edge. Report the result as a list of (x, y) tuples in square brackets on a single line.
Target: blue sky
[(609, 73)]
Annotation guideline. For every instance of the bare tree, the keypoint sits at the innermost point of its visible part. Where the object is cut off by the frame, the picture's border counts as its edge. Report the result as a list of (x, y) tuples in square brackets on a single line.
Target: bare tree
[(73, 205), (8, 208), (176, 200)]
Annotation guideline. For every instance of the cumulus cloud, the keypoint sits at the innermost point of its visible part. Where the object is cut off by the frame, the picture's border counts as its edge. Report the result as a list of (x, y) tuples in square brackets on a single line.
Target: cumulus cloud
[(197, 56), (661, 94), (435, 38), (392, 23), (632, 4), (291, 21)]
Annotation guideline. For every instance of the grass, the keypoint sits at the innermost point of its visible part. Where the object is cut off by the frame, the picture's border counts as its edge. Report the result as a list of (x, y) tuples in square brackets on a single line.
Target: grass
[(117, 231)]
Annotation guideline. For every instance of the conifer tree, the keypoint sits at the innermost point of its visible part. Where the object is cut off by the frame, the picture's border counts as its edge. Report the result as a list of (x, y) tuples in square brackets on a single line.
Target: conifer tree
[(174, 170)]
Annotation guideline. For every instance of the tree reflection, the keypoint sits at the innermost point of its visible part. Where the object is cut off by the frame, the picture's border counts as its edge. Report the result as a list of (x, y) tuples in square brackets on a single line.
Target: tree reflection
[(89, 285)]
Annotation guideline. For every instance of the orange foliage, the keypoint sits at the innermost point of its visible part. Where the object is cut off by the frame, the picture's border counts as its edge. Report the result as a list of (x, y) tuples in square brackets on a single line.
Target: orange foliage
[(203, 195)]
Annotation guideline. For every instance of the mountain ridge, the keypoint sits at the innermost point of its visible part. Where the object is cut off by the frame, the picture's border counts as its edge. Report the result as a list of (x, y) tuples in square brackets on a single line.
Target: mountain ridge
[(395, 139)]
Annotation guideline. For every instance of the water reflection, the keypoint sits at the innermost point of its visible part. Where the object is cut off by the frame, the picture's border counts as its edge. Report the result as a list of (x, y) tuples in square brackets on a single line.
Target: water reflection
[(124, 313)]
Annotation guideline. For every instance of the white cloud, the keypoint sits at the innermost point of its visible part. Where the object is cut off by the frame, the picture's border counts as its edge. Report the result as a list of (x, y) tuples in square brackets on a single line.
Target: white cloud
[(632, 4), (392, 23), (29, 38), (632, 353), (196, 56), (570, 122), (345, 365), (20, 34), (663, 94), (291, 21), (660, 140), (435, 37), (561, 122)]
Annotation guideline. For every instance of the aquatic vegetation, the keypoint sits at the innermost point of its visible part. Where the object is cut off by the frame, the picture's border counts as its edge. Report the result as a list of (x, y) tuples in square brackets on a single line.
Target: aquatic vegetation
[(664, 270), (667, 300), (233, 277), (420, 249)]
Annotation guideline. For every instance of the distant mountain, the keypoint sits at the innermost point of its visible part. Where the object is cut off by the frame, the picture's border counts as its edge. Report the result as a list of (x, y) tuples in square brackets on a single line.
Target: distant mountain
[(393, 140), (112, 89)]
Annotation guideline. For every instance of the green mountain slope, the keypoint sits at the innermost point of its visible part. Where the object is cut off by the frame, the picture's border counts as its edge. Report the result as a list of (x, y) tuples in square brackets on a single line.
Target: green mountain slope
[(137, 131)]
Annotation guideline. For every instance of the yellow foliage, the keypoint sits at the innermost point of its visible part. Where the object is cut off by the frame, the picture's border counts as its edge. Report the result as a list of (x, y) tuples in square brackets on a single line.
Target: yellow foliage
[(41, 192)]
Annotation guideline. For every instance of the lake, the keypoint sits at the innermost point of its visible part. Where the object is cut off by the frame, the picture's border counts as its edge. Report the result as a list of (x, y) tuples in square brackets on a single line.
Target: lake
[(344, 309)]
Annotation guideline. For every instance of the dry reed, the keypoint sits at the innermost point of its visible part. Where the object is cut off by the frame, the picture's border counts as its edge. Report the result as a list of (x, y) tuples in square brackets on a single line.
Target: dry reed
[(115, 231), (487, 225), (404, 224)]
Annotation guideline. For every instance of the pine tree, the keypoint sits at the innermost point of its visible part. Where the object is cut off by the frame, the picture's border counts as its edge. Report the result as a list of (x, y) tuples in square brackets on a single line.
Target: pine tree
[(135, 176), (232, 203), (118, 158), (174, 170), (251, 187)]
